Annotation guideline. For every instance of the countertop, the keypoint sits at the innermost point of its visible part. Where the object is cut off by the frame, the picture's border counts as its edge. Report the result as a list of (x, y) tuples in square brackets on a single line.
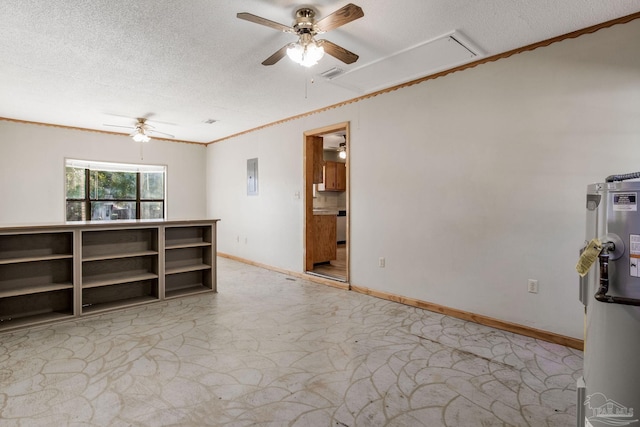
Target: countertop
[(123, 223), (325, 211)]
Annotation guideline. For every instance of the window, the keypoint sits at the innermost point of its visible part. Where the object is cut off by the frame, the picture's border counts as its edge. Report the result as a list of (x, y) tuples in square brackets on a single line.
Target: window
[(114, 191)]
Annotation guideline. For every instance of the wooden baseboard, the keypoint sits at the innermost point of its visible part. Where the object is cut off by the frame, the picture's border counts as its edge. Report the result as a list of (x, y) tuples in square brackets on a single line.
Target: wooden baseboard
[(476, 318), (448, 311), (309, 277)]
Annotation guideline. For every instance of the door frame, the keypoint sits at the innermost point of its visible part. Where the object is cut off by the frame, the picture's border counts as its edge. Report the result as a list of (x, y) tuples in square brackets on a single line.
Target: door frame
[(308, 156)]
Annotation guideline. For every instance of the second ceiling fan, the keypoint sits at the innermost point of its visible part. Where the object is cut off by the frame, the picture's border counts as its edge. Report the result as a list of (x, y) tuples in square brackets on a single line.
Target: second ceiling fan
[(142, 131), (307, 50)]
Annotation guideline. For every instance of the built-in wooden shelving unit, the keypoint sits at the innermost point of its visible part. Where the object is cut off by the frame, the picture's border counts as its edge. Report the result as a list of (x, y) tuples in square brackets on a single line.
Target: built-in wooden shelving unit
[(36, 277), (188, 255), (119, 267), (57, 272)]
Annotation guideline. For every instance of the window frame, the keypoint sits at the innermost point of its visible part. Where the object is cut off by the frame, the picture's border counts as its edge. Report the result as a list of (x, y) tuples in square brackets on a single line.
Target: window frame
[(87, 201)]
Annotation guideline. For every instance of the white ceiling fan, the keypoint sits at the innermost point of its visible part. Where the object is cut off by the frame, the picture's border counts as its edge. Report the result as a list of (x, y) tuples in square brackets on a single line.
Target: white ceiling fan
[(307, 51), (142, 131)]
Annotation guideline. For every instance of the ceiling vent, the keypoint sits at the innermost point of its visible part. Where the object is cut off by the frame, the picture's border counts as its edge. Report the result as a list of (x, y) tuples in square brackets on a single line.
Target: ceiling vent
[(331, 73)]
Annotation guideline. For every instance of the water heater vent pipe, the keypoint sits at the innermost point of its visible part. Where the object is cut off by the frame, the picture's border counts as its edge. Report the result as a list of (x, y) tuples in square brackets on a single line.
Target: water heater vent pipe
[(623, 177)]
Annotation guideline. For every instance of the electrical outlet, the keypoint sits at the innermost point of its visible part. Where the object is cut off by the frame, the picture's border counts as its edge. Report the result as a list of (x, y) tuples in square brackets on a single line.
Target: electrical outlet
[(381, 262), (532, 286)]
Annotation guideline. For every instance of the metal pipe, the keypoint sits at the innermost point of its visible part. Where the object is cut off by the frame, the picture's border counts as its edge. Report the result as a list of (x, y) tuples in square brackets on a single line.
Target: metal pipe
[(601, 295), (623, 177)]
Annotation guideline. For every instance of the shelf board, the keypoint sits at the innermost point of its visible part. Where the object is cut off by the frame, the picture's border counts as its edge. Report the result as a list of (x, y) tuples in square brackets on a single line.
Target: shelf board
[(112, 305), (19, 322), (193, 289), (185, 268), (173, 244), (19, 260), (108, 279), (118, 255), (9, 291)]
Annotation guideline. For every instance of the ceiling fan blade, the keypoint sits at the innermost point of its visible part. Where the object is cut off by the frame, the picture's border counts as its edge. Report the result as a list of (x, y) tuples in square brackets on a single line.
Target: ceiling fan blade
[(151, 131), (280, 53), (118, 126), (262, 21), (339, 52), (342, 16)]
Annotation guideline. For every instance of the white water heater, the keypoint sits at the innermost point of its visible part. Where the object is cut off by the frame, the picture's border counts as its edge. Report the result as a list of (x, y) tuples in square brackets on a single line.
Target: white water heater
[(609, 392)]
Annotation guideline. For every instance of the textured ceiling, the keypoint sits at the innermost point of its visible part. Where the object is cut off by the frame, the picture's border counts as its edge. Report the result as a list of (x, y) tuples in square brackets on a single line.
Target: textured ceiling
[(89, 63)]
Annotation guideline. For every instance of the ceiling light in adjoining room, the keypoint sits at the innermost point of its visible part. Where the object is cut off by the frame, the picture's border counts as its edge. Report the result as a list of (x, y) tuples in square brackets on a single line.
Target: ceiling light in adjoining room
[(306, 51), (342, 150)]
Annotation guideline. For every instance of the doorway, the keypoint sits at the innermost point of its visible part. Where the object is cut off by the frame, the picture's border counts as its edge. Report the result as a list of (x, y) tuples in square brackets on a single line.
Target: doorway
[(326, 195)]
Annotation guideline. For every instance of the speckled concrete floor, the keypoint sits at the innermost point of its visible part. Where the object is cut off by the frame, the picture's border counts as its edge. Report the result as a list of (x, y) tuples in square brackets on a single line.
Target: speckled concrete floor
[(272, 351)]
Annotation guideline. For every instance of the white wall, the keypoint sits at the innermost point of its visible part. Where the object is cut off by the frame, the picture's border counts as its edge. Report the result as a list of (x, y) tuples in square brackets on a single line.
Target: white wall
[(32, 170), (266, 227), (468, 184)]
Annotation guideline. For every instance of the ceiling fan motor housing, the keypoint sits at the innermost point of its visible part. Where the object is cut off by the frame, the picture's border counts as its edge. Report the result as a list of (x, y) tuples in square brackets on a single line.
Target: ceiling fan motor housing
[(304, 23)]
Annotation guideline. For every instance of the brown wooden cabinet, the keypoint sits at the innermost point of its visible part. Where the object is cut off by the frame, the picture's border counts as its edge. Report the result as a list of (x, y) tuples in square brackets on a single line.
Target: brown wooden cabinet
[(335, 176), (324, 245)]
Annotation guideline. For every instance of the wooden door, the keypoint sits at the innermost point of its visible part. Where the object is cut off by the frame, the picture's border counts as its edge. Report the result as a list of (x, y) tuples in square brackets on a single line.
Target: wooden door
[(318, 158), (313, 175), (341, 177)]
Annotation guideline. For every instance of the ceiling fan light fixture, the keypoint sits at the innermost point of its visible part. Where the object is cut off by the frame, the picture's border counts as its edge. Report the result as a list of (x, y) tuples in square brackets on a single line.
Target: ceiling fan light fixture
[(307, 54), (140, 136)]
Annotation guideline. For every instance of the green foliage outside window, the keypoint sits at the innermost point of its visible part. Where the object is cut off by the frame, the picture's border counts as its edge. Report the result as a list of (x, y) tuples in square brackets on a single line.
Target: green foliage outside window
[(75, 178), (112, 185), (114, 195)]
